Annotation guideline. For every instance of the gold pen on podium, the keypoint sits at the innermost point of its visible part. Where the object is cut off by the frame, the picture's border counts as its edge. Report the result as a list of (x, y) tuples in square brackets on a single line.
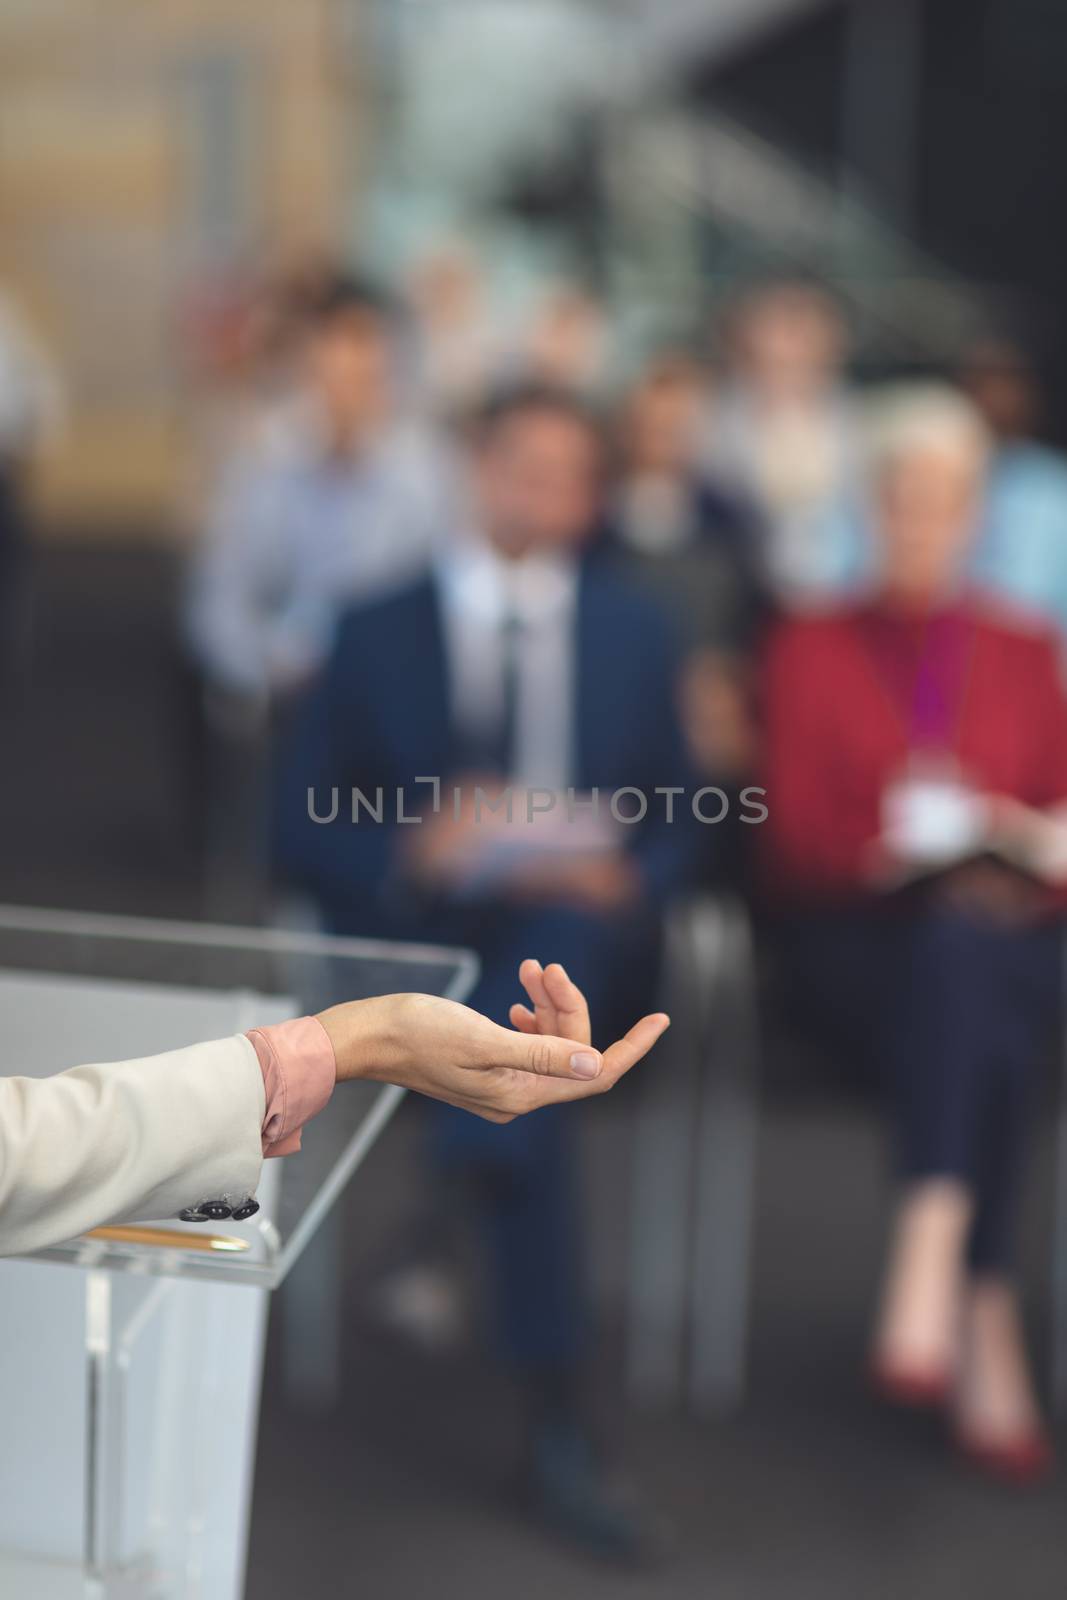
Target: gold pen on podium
[(171, 1239)]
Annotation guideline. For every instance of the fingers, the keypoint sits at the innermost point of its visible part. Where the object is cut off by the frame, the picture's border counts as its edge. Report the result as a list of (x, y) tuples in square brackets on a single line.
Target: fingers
[(558, 1022), (637, 1043), (616, 1062), (523, 1019), (559, 1005), (544, 1056), (572, 1012), (532, 978)]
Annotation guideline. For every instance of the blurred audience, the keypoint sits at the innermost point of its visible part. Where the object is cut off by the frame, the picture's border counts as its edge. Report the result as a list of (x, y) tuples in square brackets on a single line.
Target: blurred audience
[(1022, 552), (695, 548), (916, 764), (479, 647), (513, 663), (781, 431), (334, 497), (330, 493)]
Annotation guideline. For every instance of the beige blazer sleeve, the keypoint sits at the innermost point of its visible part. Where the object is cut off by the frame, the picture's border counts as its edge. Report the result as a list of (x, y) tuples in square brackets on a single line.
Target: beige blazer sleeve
[(131, 1140)]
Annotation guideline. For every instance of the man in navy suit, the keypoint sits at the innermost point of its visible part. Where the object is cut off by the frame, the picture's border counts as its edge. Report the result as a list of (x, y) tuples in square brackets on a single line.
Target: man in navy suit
[(514, 668)]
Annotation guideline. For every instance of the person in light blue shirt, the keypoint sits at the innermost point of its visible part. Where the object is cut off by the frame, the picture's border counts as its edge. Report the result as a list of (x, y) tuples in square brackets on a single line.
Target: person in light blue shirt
[(1022, 551), (334, 499)]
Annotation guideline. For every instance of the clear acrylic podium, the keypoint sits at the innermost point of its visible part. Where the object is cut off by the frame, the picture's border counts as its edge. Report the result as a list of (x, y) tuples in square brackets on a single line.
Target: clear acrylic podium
[(130, 1360)]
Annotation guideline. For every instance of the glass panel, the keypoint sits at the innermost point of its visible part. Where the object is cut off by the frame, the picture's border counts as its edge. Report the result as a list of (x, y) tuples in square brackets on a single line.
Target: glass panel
[(80, 988)]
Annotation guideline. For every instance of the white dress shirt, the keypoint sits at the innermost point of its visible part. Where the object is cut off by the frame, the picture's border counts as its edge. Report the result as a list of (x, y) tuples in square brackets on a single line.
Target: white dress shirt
[(482, 595)]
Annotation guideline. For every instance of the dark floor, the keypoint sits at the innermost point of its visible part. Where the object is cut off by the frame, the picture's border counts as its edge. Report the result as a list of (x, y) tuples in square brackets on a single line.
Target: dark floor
[(808, 1494)]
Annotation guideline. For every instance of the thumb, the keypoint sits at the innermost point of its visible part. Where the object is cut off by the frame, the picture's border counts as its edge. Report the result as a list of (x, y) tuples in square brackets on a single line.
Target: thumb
[(547, 1057)]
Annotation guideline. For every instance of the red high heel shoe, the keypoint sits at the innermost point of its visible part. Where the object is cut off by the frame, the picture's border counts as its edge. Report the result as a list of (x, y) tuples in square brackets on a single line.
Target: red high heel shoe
[(1027, 1459)]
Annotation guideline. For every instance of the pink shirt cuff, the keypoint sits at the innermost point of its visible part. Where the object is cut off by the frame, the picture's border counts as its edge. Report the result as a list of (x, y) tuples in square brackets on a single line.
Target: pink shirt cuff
[(299, 1072)]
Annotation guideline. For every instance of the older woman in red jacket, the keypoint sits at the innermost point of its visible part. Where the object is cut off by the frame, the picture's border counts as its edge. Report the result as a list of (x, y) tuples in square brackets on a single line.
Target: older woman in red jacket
[(916, 774)]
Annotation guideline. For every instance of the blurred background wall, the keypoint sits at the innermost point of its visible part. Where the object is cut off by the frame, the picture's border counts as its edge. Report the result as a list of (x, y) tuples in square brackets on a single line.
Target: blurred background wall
[(145, 155)]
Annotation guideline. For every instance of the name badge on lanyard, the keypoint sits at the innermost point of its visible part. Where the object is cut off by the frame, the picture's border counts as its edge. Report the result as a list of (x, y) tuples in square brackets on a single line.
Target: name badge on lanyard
[(930, 812)]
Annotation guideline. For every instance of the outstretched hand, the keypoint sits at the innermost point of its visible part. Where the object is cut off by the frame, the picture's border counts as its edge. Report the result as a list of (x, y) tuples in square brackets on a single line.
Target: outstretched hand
[(452, 1053)]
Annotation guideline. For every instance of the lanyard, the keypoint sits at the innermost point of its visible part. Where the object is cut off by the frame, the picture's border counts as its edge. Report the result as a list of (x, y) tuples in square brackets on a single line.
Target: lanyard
[(929, 692)]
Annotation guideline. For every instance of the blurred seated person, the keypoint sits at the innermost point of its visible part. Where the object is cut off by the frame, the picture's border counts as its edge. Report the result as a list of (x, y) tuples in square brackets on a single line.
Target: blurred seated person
[(916, 769), (334, 500), (1022, 551), (680, 534), (513, 663), (781, 432), (695, 547)]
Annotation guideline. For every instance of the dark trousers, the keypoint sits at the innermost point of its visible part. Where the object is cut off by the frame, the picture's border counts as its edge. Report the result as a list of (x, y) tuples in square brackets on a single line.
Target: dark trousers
[(524, 1175), (955, 1016)]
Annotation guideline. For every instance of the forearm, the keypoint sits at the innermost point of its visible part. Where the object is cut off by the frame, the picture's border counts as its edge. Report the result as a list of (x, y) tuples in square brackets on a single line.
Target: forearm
[(143, 1138), (160, 1135)]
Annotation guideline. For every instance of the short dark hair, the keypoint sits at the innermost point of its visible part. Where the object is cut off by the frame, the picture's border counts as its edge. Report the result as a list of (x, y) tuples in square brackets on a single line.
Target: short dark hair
[(347, 295), (513, 402)]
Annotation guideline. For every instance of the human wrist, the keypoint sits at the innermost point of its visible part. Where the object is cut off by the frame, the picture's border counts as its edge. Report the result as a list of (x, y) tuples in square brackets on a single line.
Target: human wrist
[(365, 1037)]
